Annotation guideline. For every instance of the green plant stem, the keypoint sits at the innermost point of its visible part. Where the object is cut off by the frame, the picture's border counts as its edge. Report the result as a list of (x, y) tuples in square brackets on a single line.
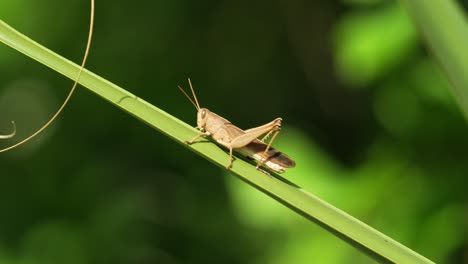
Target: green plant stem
[(344, 226)]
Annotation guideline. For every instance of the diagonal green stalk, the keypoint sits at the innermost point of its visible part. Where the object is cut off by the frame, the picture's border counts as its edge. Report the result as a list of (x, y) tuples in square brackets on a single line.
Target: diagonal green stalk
[(444, 28), (344, 226)]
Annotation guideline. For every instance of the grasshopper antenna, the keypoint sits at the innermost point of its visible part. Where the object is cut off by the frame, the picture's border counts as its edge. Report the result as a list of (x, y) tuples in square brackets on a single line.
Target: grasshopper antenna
[(193, 92), (197, 106), (85, 57)]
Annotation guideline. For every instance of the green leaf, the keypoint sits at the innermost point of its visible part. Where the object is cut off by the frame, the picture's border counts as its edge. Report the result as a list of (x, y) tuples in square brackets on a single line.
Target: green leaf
[(444, 28), (344, 226)]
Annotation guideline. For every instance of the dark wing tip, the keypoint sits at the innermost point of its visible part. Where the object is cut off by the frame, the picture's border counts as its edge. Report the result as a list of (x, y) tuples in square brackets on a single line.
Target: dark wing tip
[(273, 155), (282, 159)]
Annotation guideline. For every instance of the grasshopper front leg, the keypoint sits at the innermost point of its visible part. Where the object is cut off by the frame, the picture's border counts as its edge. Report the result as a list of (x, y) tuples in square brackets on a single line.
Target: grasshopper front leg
[(205, 134), (202, 134)]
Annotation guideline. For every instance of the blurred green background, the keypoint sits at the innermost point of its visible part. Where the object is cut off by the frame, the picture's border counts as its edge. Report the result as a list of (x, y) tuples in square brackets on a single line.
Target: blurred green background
[(368, 117)]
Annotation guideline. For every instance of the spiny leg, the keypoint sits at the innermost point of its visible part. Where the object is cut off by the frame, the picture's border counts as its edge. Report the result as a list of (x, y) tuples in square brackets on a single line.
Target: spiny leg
[(260, 163), (271, 142), (266, 136), (276, 129), (252, 134)]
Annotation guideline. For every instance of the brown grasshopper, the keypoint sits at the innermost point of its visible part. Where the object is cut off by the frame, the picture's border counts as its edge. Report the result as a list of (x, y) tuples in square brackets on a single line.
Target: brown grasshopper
[(245, 142)]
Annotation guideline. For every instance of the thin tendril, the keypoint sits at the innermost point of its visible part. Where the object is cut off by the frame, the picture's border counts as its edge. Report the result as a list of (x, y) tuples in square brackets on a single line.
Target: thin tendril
[(85, 57)]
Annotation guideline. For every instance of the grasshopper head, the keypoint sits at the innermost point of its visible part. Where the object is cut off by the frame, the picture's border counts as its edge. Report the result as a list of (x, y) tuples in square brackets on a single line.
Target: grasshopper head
[(203, 113), (202, 117)]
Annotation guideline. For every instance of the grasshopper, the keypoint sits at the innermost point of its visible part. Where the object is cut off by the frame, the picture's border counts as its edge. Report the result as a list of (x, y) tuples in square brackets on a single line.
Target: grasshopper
[(244, 142)]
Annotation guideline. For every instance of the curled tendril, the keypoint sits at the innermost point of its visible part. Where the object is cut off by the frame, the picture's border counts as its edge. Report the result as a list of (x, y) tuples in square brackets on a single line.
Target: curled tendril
[(12, 134), (57, 113)]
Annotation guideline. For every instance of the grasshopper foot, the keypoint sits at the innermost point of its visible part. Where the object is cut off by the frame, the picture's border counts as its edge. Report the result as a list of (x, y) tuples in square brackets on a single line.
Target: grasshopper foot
[(263, 171), (258, 167), (229, 166)]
